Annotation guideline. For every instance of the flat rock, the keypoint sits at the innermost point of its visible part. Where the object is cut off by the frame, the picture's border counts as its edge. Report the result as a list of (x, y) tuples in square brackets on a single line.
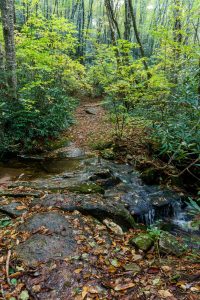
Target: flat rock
[(55, 222), (12, 209), (42, 248), (97, 206), (19, 194)]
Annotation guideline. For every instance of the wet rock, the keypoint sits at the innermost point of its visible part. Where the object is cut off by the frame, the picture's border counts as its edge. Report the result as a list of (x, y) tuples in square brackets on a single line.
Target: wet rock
[(71, 153), (30, 158), (42, 248), (55, 222), (143, 242), (97, 207), (105, 178), (101, 174), (13, 209), (163, 198), (137, 201), (168, 244), (19, 194)]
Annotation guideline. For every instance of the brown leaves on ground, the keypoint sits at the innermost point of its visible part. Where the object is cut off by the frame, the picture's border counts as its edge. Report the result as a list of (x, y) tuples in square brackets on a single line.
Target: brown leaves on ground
[(90, 128), (106, 266)]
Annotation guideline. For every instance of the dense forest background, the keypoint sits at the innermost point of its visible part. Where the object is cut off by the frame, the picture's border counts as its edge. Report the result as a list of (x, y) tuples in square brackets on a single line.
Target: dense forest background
[(141, 56)]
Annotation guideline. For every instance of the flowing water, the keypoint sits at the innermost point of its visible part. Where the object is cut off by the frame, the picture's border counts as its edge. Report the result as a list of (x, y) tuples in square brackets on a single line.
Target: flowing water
[(150, 205)]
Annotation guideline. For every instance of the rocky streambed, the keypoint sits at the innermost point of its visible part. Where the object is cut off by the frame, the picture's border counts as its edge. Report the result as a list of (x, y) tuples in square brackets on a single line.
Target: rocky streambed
[(69, 216)]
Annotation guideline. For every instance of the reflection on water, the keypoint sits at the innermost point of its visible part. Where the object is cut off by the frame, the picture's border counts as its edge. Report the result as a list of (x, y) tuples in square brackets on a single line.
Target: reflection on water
[(16, 170)]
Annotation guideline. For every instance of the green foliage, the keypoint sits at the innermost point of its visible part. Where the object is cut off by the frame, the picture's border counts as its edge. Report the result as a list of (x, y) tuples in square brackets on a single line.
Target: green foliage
[(126, 83), (48, 77), (194, 210), (5, 222), (166, 94)]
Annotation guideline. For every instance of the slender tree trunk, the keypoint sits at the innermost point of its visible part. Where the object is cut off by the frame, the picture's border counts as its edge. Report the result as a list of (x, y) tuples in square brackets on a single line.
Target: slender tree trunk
[(112, 20), (113, 27), (137, 35), (178, 38), (1, 59), (7, 11), (127, 23), (89, 18), (2, 68)]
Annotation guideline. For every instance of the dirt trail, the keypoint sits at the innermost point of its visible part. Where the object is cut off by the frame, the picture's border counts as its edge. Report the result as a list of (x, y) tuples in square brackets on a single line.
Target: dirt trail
[(92, 124)]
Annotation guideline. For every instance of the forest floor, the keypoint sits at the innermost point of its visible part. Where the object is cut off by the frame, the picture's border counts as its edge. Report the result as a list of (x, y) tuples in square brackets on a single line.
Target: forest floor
[(92, 124), (49, 252)]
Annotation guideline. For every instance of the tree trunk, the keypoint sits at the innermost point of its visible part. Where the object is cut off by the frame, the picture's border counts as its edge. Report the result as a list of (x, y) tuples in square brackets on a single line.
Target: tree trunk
[(1, 59), (127, 23), (2, 68), (112, 20), (7, 11), (177, 38), (137, 35)]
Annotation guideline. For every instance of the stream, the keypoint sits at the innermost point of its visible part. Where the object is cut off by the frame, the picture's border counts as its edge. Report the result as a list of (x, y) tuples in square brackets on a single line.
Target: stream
[(75, 171)]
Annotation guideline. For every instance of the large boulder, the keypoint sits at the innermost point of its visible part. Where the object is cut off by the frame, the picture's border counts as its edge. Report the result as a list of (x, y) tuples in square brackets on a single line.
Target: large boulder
[(41, 247), (96, 206)]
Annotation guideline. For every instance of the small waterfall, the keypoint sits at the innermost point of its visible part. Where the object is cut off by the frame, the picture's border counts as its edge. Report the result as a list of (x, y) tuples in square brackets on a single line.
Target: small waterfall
[(182, 218)]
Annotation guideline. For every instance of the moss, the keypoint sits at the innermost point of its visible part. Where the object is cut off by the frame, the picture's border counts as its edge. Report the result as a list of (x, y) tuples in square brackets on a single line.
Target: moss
[(168, 244), (143, 242), (59, 143), (151, 176), (87, 188), (108, 154), (101, 145)]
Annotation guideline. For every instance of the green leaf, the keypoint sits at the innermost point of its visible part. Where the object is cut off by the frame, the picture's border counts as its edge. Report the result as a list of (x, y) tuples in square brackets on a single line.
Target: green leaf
[(24, 295), (14, 281)]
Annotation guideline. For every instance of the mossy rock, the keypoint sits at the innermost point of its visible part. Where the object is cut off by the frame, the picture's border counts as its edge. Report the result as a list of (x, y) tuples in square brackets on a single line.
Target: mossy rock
[(168, 244), (108, 154), (142, 241), (87, 188), (102, 145), (57, 144)]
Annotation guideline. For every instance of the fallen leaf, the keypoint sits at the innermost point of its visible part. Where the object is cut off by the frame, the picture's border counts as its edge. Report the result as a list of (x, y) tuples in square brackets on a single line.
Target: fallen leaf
[(166, 268), (21, 207), (24, 295), (84, 292), (122, 287), (165, 293), (156, 281), (195, 288), (137, 257), (115, 263), (132, 267), (153, 270), (36, 288), (78, 271)]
